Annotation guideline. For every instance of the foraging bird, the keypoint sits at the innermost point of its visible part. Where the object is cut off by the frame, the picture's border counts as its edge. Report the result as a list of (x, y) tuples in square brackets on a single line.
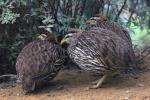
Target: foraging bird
[(38, 61), (100, 52)]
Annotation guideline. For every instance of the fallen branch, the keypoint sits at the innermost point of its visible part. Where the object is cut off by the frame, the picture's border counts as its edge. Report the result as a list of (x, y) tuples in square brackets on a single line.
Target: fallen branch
[(8, 75)]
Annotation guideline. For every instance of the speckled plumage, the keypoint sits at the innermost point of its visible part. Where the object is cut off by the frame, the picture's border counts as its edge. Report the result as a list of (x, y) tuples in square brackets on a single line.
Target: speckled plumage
[(105, 23), (39, 60)]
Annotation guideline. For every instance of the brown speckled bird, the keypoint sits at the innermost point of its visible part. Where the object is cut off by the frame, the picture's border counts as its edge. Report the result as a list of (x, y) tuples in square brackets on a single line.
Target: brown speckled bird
[(99, 51), (105, 23), (39, 60)]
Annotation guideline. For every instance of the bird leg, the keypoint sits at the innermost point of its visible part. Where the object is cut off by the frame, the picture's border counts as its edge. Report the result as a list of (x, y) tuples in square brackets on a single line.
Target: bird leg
[(33, 86), (94, 82), (98, 82)]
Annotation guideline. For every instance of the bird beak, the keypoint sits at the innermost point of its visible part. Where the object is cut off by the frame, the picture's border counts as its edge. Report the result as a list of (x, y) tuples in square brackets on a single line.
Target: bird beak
[(42, 36), (63, 41)]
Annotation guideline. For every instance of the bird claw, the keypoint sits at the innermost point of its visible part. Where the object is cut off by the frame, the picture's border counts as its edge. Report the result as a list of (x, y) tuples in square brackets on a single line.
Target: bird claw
[(94, 82), (94, 87), (98, 83)]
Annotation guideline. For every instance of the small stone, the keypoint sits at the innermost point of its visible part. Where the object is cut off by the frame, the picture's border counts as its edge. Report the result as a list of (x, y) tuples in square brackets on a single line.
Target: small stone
[(87, 88), (127, 91), (126, 98), (141, 85), (18, 94), (1, 89)]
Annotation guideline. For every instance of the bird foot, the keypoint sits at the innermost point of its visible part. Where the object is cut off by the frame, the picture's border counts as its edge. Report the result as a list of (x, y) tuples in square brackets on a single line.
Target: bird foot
[(94, 87), (94, 82), (98, 83)]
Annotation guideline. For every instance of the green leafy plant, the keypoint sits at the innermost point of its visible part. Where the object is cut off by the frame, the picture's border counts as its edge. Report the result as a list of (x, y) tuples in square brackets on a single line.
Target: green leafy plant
[(48, 23), (7, 15)]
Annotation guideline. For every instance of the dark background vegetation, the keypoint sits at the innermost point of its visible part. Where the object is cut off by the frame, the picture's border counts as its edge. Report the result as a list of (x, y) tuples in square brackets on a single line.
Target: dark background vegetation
[(22, 20)]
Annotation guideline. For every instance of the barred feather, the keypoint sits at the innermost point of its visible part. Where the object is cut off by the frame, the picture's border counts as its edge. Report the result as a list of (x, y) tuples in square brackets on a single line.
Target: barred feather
[(100, 51)]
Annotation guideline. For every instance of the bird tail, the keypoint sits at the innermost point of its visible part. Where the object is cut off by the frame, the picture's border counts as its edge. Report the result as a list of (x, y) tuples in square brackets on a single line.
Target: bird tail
[(142, 59), (141, 62)]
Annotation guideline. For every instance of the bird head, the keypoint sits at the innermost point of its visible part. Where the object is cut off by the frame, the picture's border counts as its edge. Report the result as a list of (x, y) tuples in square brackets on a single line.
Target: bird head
[(67, 39), (71, 36), (91, 21), (103, 18), (95, 20), (42, 37), (47, 36)]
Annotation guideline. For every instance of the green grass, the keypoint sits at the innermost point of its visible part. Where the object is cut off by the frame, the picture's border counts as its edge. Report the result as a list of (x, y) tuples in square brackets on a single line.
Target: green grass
[(140, 36)]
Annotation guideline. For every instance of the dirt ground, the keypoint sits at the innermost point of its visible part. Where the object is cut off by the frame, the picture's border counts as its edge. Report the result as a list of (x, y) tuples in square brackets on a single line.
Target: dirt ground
[(73, 85)]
